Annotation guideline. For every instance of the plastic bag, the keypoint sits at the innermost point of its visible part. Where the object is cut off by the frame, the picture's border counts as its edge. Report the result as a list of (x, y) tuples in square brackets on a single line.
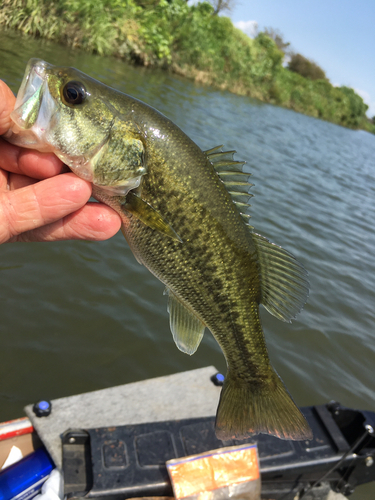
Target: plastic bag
[(52, 489), (231, 472)]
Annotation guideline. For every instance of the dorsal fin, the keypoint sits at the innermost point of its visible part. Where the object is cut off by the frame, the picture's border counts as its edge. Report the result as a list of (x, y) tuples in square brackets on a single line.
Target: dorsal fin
[(284, 282), (234, 178)]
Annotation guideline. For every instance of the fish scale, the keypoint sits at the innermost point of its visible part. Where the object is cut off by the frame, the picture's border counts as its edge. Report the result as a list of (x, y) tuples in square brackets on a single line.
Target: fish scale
[(184, 215)]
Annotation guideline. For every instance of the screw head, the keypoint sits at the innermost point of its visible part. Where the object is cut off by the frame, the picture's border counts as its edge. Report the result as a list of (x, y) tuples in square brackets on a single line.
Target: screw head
[(218, 379), (42, 408), (369, 461)]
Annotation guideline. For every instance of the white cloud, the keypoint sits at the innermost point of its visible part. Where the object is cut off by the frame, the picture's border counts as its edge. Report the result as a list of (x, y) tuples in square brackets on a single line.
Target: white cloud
[(248, 27)]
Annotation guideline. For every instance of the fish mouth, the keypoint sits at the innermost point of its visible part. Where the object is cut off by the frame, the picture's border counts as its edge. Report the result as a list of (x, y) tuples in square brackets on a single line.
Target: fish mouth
[(33, 109)]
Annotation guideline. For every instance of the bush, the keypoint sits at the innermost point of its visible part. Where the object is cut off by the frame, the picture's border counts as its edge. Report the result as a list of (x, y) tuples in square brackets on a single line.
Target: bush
[(354, 110), (306, 68)]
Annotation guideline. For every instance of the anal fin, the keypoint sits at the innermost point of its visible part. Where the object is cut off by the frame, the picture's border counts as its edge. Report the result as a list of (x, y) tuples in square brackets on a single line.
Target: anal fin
[(187, 329)]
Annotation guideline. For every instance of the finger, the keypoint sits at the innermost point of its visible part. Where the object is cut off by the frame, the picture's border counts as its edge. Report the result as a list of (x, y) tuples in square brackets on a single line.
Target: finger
[(94, 221), (42, 203), (7, 101), (28, 162), (17, 181), (3, 180)]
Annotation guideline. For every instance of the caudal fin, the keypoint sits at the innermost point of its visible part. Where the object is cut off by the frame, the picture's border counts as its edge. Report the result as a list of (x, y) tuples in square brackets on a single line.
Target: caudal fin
[(246, 409)]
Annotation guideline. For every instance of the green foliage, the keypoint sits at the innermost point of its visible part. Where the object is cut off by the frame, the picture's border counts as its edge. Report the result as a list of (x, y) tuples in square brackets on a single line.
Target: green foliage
[(355, 108), (88, 24), (270, 55), (305, 67), (158, 28), (320, 99), (192, 41), (29, 16)]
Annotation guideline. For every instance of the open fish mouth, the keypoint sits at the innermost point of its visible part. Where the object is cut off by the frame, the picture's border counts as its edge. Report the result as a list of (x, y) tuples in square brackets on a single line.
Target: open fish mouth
[(33, 110), (43, 120)]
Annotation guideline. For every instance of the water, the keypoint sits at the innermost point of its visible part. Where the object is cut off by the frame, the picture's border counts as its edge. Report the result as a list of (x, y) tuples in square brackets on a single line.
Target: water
[(81, 316)]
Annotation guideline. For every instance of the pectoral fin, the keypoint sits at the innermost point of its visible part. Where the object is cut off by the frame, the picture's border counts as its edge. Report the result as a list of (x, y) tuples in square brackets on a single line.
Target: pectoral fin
[(148, 215), (187, 329)]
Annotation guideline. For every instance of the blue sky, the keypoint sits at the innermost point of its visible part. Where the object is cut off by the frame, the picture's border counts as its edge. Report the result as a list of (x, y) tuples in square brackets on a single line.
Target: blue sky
[(339, 35)]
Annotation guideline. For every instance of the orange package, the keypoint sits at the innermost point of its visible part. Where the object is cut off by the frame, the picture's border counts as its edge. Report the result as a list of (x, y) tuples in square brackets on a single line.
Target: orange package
[(231, 472)]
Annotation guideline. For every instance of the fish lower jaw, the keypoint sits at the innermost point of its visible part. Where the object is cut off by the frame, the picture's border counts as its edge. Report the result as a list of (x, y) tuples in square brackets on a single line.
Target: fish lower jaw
[(78, 165)]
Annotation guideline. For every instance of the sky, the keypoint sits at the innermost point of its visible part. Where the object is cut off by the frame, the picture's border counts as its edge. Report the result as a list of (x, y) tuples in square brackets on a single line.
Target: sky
[(339, 35)]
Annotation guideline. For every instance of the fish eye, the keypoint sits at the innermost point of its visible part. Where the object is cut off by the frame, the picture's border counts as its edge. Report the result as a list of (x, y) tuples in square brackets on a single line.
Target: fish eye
[(74, 93)]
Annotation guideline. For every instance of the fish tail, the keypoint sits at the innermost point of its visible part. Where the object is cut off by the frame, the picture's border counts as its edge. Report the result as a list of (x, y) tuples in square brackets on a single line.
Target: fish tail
[(252, 408)]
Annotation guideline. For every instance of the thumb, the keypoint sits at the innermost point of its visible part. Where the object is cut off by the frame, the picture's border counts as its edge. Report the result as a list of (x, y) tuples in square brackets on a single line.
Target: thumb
[(7, 101)]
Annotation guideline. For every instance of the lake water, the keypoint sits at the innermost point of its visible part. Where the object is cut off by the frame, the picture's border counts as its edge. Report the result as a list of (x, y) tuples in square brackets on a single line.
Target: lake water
[(81, 316)]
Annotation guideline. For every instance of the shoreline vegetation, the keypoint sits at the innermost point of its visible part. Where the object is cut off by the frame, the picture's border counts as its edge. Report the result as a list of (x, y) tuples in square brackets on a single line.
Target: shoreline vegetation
[(191, 41)]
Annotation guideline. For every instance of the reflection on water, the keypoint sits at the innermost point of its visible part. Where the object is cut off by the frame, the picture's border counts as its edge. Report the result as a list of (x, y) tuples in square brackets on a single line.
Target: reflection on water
[(79, 316)]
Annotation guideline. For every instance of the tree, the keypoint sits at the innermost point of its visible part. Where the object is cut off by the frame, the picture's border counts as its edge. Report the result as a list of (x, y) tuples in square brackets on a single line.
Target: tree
[(220, 5), (305, 67), (278, 38)]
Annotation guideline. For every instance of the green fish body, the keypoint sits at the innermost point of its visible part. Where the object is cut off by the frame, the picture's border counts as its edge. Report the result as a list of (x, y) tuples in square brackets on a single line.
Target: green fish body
[(184, 216)]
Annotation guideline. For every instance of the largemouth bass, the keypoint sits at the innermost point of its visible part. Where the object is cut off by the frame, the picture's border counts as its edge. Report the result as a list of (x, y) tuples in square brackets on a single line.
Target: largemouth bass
[(183, 215)]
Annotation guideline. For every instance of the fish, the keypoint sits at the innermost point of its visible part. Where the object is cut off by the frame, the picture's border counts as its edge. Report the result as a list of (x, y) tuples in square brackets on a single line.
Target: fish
[(184, 214)]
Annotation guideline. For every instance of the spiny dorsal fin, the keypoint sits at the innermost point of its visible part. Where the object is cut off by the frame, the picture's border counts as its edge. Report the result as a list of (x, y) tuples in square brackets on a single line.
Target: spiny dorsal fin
[(284, 282), (235, 180), (223, 160), (187, 329)]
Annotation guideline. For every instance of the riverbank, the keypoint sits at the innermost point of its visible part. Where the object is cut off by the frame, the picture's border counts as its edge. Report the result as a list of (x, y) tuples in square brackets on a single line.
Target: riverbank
[(190, 41)]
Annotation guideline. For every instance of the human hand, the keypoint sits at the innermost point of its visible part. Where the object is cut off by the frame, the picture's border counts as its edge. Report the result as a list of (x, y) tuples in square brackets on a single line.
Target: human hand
[(37, 201)]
